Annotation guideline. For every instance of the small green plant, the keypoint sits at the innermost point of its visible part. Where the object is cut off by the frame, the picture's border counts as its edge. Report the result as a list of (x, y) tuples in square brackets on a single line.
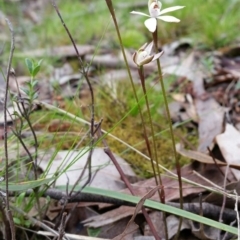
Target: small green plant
[(33, 69)]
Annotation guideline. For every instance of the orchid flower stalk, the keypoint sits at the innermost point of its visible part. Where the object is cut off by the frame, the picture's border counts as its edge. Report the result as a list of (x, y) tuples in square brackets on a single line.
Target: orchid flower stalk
[(155, 13), (142, 56)]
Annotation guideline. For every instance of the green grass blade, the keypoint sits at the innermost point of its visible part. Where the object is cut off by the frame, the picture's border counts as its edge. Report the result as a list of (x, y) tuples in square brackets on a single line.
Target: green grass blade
[(161, 207), (24, 186)]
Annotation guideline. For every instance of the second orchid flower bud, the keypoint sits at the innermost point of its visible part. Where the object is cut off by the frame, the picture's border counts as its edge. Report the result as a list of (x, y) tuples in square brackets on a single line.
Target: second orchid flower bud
[(146, 54)]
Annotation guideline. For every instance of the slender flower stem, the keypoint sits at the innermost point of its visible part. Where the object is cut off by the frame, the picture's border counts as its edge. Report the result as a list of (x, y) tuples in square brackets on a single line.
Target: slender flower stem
[(161, 193), (155, 40), (142, 78), (111, 10)]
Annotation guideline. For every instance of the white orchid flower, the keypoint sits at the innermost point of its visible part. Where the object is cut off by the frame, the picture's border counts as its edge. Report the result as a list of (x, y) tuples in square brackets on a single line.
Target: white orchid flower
[(146, 55), (155, 12)]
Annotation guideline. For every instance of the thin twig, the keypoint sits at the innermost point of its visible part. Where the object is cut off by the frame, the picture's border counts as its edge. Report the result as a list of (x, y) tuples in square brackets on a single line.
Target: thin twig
[(62, 226), (224, 199), (9, 215), (85, 74), (217, 166)]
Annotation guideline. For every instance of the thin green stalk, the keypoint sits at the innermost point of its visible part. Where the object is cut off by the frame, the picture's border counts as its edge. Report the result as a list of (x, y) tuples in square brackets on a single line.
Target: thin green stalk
[(141, 75), (142, 78), (160, 191), (110, 6), (111, 9), (155, 40)]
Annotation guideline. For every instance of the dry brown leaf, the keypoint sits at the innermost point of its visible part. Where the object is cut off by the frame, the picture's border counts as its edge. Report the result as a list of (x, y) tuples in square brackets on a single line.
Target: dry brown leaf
[(217, 199), (132, 227), (138, 209), (203, 158), (210, 115), (109, 217), (229, 144), (171, 189)]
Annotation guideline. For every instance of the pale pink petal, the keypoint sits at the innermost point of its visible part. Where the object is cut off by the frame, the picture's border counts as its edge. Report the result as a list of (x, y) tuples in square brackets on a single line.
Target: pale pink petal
[(149, 47), (140, 13), (135, 57), (143, 47), (168, 19), (170, 9), (158, 55), (151, 24)]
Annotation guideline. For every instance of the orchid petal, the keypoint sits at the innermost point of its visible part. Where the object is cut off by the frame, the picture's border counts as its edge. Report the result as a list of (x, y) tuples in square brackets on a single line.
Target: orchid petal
[(151, 24), (143, 47), (140, 13), (157, 56), (135, 57), (144, 61), (149, 48), (168, 19), (170, 9)]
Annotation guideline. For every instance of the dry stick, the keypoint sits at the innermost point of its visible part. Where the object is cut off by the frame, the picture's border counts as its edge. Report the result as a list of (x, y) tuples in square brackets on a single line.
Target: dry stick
[(85, 74), (108, 151), (178, 168), (224, 199), (8, 213), (201, 212), (218, 167), (62, 226), (4, 218), (228, 214)]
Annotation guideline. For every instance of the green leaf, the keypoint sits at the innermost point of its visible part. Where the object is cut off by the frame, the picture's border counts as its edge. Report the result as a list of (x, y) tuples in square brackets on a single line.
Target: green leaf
[(36, 70), (30, 65), (24, 186), (40, 62), (158, 206), (27, 223), (17, 221), (20, 199), (35, 96), (34, 83), (93, 232)]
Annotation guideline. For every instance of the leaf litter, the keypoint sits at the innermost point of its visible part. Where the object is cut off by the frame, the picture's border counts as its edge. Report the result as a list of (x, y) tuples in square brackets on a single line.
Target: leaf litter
[(209, 98)]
